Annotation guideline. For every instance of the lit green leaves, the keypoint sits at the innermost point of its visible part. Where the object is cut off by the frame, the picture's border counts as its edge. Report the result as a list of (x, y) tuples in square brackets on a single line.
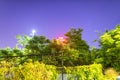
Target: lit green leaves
[(111, 37), (110, 48), (106, 39), (91, 72), (27, 71)]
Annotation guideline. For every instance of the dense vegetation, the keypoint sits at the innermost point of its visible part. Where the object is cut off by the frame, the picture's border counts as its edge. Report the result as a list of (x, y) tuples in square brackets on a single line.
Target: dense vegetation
[(40, 71), (72, 51)]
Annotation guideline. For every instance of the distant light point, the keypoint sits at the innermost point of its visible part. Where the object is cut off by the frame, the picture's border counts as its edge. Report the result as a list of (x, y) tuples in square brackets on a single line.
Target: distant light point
[(33, 32)]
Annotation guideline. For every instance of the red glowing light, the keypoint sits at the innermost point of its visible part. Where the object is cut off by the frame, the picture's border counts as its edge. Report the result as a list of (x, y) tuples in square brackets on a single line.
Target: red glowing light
[(62, 40)]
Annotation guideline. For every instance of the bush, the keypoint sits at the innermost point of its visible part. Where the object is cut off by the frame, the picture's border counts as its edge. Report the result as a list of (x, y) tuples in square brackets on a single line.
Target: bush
[(27, 71), (91, 72), (39, 71)]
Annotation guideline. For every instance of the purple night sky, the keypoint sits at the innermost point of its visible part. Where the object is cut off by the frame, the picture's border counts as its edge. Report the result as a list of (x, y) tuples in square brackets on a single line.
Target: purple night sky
[(52, 18)]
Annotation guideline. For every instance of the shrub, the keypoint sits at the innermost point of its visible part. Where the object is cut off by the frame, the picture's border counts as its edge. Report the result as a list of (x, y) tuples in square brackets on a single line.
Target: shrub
[(27, 71), (91, 72)]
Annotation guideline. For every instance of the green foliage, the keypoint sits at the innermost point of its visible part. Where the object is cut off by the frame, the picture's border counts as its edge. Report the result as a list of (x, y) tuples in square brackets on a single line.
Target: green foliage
[(39, 71), (37, 45), (74, 39), (58, 52), (51, 51), (9, 55), (27, 71), (91, 72), (22, 40), (75, 51), (110, 48), (84, 58), (70, 56)]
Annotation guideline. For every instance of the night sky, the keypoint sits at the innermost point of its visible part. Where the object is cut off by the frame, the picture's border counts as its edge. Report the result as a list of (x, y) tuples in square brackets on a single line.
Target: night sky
[(53, 18)]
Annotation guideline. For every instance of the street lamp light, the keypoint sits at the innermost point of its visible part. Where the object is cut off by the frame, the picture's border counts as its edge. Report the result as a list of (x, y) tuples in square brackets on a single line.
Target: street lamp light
[(33, 32), (63, 41)]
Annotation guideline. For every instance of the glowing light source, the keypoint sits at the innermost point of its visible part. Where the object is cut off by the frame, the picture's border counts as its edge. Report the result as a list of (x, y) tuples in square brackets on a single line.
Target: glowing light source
[(33, 32), (62, 40)]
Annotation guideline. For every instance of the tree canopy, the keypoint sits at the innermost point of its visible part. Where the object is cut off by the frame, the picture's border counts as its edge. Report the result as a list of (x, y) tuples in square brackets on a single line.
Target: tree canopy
[(110, 47), (75, 50), (74, 39)]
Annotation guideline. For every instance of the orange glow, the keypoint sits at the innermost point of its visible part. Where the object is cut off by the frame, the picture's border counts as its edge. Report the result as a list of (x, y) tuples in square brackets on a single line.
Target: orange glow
[(62, 40)]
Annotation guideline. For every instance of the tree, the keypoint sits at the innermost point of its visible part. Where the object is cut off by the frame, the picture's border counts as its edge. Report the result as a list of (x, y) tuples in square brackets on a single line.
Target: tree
[(110, 47), (37, 45), (96, 56), (12, 55), (74, 39), (22, 40), (75, 51), (59, 52), (70, 56)]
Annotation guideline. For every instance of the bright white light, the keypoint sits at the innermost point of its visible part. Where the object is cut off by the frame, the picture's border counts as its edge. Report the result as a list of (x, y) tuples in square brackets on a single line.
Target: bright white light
[(33, 32)]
